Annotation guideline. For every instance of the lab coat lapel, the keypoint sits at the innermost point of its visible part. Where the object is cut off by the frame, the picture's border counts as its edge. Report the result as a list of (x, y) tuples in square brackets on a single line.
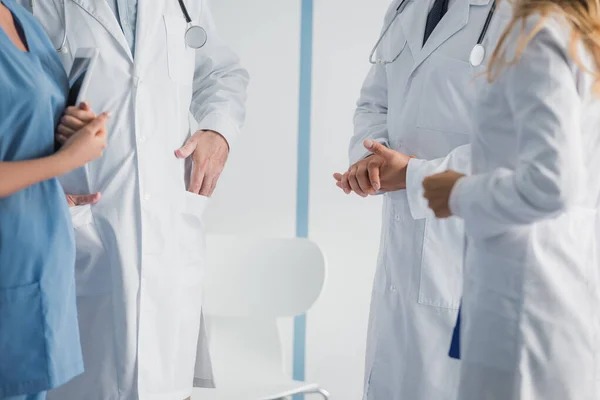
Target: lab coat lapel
[(100, 10), (455, 20), (413, 20)]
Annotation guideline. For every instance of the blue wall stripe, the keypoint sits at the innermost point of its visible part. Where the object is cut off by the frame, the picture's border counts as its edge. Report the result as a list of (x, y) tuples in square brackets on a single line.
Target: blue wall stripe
[(303, 179)]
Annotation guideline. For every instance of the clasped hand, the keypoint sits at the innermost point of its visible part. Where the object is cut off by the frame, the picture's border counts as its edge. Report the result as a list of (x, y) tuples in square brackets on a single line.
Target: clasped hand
[(383, 171)]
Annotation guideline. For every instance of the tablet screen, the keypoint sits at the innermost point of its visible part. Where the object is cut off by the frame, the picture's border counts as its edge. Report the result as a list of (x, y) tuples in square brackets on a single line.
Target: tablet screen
[(76, 78)]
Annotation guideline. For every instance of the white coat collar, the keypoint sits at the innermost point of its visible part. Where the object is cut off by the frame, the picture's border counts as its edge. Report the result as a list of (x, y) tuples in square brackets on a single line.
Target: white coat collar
[(100, 10), (414, 19)]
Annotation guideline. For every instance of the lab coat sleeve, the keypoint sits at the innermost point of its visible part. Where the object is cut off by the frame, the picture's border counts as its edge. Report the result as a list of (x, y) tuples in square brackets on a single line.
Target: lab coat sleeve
[(458, 160), (370, 118), (220, 84), (543, 97)]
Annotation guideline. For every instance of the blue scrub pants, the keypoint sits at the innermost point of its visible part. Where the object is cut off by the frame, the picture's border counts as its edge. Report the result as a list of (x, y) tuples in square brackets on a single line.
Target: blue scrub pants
[(38, 396)]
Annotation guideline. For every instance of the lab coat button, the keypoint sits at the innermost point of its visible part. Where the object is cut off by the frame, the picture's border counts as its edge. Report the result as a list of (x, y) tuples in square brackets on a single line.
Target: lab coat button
[(147, 197), (397, 217), (392, 289), (143, 139)]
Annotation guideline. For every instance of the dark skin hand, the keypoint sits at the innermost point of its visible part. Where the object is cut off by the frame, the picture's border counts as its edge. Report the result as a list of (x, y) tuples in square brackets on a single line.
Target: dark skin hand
[(383, 171), (438, 189)]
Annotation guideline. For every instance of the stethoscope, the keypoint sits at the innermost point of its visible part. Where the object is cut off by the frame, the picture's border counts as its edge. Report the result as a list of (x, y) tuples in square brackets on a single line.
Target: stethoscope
[(477, 53), (195, 35)]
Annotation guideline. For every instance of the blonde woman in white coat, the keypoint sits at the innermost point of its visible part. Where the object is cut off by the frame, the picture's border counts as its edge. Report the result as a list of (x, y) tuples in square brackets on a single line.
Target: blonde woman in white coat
[(531, 304)]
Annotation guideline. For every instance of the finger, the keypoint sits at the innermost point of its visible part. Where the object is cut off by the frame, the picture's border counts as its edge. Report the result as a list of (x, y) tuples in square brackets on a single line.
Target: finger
[(73, 123), (338, 177), (346, 183), (98, 123), (373, 171), (70, 201), (61, 139), (362, 176), (208, 185), (85, 106), (378, 149), (65, 130), (82, 199), (354, 183), (196, 180), (85, 115), (187, 149)]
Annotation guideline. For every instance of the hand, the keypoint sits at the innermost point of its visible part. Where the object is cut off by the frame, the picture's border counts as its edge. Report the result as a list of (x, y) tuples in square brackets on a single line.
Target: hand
[(75, 200), (384, 171), (209, 151), (438, 189), (86, 144), (74, 119)]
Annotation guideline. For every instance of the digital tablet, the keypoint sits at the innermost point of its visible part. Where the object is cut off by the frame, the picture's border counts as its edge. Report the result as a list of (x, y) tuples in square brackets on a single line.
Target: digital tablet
[(81, 73)]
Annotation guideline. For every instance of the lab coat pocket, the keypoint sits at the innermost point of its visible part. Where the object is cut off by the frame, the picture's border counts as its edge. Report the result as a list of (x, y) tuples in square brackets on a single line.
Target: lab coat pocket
[(92, 271), (23, 356), (181, 58), (492, 307), (442, 263), (446, 103), (192, 240)]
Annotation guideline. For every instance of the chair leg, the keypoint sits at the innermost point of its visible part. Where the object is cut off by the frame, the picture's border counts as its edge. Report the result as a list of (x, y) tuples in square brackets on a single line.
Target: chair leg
[(320, 391)]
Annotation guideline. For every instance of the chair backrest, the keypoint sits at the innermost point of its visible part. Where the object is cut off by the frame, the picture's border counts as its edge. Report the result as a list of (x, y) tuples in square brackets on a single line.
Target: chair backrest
[(249, 284), (255, 277)]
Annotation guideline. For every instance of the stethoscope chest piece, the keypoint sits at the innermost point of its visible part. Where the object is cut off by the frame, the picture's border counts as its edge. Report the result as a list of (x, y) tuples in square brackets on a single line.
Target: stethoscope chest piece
[(477, 55), (195, 37)]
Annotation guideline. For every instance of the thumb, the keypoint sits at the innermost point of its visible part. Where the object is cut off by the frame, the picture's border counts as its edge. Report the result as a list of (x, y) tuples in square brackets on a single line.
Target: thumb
[(187, 149), (98, 123), (377, 148), (85, 106)]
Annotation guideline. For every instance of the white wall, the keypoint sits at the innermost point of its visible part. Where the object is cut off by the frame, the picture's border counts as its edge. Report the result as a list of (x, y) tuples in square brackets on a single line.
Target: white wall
[(257, 194), (346, 227), (257, 191)]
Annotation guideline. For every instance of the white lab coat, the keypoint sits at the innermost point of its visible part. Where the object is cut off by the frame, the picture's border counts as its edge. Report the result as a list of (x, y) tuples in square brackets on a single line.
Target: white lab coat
[(140, 250), (531, 327), (421, 105)]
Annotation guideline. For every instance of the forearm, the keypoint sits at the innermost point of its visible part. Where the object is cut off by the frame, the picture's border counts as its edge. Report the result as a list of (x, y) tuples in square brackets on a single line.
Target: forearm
[(18, 175)]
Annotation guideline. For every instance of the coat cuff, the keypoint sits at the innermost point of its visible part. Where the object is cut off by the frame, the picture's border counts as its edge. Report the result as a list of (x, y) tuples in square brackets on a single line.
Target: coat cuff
[(455, 197), (222, 125), (415, 173)]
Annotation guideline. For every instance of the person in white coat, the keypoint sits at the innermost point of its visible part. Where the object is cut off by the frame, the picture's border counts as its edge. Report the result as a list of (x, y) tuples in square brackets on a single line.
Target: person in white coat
[(531, 310), (418, 100), (140, 249)]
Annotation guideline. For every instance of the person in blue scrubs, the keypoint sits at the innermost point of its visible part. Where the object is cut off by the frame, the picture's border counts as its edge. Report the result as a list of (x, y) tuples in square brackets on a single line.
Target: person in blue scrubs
[(39, 337)]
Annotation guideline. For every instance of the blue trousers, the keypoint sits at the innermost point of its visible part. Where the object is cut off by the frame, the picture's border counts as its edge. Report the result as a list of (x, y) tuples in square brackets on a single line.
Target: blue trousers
[(455, 344), (37, 396)]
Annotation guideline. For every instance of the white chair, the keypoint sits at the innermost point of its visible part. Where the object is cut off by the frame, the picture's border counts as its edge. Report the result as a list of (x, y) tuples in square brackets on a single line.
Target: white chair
[(250, 283)]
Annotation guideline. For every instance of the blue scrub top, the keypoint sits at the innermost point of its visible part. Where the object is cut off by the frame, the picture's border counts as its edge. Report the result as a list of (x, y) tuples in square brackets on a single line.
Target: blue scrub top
[(39, 336)]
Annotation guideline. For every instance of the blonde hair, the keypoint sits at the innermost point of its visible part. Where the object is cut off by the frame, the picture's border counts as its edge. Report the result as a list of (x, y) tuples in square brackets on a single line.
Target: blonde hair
[(583, 17)]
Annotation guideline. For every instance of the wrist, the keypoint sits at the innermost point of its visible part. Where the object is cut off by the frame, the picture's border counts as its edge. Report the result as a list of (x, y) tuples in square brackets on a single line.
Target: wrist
[(62, 163), (216, 135)]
